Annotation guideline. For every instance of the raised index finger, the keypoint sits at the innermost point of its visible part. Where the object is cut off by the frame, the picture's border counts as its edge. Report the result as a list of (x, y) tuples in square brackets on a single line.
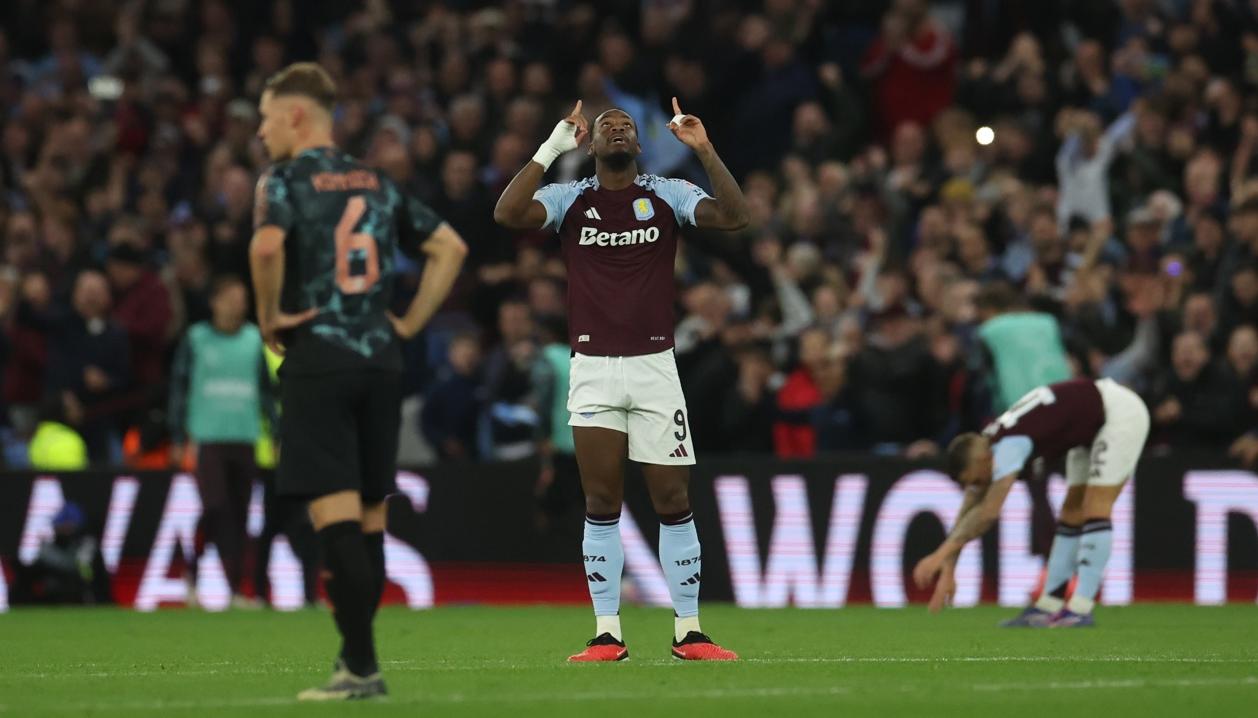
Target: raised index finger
[(676, 107), (576, 111)]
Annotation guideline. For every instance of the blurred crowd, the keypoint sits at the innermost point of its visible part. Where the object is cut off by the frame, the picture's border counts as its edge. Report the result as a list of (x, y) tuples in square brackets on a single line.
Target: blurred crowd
[(951, 202)]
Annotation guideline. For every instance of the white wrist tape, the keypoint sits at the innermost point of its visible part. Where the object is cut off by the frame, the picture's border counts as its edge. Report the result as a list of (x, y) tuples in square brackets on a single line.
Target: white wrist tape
[(562, 139)]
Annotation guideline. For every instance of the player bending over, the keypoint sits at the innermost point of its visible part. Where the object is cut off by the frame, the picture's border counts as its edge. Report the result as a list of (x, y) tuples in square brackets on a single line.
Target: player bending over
[(618, 231), (323, 255), (1101, 428)]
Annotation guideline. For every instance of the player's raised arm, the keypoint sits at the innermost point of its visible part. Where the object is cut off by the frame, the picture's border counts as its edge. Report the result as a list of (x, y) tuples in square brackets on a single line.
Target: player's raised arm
[(728, 209), (516, 208)]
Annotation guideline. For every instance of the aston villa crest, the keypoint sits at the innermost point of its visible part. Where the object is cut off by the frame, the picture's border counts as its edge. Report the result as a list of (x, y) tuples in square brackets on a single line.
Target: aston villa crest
[(643, 209)]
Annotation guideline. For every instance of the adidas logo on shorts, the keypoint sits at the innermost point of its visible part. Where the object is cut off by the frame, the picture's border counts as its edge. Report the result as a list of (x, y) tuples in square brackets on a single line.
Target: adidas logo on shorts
[(679, 452)]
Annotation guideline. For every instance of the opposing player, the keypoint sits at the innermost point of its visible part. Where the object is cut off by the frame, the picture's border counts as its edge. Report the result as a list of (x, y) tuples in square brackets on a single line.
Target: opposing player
[(1101, 428), (619, 231), (323, 255)]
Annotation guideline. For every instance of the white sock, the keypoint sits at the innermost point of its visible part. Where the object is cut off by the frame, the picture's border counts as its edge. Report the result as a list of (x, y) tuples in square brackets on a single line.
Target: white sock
[(608, 624), (1048, 603), (1080, 605), (683, 625)]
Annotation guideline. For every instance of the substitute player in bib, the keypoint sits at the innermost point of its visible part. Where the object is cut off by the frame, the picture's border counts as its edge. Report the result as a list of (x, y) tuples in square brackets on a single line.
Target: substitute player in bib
[(1101, 428), (327, 228), (619, 231)]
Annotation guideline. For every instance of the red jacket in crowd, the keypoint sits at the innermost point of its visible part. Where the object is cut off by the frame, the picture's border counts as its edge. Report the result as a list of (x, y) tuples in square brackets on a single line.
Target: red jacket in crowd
[(914, 81), (793, 432), (144, 312)]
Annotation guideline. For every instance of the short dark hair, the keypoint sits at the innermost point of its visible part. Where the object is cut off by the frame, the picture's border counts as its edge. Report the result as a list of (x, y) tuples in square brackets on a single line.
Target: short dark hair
[(304, 79), (615, 109), (999, 296), (1048, 210), (467, 335), (223, 282), (957, 456)]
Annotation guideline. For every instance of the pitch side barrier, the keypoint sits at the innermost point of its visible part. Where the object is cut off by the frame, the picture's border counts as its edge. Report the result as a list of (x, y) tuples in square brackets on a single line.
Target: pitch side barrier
[(820, 534)]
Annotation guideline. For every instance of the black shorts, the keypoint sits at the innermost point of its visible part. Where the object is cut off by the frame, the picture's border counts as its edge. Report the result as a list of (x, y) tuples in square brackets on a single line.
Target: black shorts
[(339, 432)]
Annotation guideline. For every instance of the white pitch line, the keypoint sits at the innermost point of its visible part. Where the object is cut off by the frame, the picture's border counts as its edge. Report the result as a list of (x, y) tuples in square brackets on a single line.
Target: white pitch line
[(406, 666), (464, 698), (999, 659), (1126, 683), (711, 694)]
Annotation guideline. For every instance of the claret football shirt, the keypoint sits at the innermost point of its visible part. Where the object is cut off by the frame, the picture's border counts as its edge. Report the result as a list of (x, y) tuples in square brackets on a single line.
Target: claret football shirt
[(1047, 422), (620, 247)]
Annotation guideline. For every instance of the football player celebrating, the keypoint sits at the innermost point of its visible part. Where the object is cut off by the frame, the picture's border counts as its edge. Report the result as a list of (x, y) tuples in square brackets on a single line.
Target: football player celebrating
[(618, 232)]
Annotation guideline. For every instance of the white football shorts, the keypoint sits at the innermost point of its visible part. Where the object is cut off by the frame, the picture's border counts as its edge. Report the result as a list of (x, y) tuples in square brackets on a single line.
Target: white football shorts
[(638, 395), (1112, 458)]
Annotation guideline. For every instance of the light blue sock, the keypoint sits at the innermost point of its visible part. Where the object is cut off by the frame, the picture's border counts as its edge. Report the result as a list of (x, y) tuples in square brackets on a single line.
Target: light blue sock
[(1094, 549), (682, 559), (604, 562), (1061, 567)]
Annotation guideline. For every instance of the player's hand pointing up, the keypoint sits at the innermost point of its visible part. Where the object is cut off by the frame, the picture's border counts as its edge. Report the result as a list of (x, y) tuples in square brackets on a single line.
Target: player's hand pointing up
[(566, 136), (687, 128), (583, 126)]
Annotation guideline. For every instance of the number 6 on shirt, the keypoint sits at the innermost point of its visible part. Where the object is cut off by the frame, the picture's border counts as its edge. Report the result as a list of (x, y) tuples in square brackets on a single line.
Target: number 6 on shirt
[(355, 245)]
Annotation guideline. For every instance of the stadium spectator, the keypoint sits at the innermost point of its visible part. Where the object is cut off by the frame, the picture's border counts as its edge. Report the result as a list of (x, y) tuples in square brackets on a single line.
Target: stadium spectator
[(229, 220), (89, 363), (1240, 303), (793, 433), (747, 412), (836, 420), (1083, 163), (62, 257), (511, 419), (452, 405), (706, 339), (895, 388), (1197, 403), (1242, 361), (26, 356), (141, 307), (975, 255), (912, 63), (1205, 259), (1199, 314)]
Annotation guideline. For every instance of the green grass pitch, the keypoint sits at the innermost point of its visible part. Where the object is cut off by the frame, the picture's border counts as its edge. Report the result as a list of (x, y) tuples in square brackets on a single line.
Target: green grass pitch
[(1152, 660)]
